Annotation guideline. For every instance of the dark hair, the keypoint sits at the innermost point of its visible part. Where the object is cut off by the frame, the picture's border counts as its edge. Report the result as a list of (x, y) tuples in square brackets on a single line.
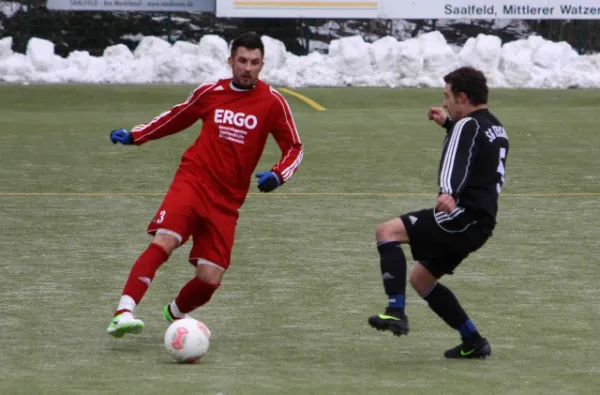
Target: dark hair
[(249, 40), (469, 81)]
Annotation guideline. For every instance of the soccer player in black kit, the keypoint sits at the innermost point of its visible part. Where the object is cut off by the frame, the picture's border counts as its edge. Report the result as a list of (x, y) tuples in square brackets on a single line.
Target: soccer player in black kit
[(471, 176)]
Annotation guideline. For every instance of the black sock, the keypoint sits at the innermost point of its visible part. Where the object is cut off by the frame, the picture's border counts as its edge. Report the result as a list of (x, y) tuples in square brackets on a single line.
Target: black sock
[(393, 273), (443, 302)]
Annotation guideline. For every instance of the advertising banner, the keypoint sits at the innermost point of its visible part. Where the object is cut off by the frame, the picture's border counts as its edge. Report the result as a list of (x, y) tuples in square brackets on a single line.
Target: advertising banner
[(357, 9), (133, 5)]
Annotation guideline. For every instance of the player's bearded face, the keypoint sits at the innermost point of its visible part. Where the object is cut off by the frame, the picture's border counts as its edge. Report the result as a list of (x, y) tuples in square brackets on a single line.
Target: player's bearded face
[(452, 103), (246, 65)]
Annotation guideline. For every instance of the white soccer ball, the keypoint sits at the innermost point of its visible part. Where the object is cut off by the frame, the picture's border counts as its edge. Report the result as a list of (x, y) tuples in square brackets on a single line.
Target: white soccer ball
[(187, 340)]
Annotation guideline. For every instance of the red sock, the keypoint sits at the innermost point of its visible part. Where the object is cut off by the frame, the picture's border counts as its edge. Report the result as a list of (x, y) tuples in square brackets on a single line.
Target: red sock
[(194, 294), (143, 271)]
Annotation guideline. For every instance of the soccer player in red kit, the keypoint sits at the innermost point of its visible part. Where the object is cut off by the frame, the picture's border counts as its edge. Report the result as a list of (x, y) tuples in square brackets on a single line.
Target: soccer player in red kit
[(212, 180)]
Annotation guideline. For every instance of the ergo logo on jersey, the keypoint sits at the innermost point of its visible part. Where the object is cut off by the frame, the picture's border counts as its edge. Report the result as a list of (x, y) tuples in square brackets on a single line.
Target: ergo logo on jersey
[(238, 119)]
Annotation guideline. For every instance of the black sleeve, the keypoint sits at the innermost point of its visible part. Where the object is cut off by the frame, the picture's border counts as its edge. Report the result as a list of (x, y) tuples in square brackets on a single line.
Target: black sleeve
[(457, 159), (448, 125)]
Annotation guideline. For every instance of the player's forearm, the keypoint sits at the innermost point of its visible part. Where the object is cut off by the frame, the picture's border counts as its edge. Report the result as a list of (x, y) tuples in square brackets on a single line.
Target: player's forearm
[(454, 189), (289, 163), (458, 181), (448, 124), (145, 134), (457, 161), (161, 126), (456, 167), (455, 173)]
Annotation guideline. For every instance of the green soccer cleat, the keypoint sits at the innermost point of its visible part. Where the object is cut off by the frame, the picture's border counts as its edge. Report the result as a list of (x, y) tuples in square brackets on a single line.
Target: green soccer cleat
[(170, 318), (397, 325), (472, 350), (124, 324), (167, 314)]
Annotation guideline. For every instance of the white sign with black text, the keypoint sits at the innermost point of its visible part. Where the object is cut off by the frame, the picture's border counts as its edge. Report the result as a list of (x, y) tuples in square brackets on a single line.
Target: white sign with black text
[(493, 9), (411, 9)]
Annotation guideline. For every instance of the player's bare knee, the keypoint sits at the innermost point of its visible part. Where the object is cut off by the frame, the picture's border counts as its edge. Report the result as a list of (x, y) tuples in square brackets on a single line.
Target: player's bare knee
[(392, 230), (383, 232), (414, 281), (421, 279), (208, 273), (166, 241)]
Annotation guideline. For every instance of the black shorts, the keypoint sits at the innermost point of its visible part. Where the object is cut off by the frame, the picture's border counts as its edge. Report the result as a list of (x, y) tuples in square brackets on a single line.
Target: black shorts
[(441, 241)]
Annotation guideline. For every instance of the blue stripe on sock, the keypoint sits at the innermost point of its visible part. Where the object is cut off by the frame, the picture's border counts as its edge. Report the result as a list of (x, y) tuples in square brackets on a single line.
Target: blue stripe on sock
[(396, 300), (466, 329)]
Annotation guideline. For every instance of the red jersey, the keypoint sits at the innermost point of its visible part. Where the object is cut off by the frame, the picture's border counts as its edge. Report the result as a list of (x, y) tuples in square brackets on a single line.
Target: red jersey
[(235, 127)]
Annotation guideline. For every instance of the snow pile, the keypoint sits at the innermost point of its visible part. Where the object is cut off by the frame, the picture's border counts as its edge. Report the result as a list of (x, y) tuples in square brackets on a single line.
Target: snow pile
[(416, 62)]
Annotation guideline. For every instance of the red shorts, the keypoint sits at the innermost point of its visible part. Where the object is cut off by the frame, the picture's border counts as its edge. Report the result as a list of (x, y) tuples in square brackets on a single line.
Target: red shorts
[(189, 210)]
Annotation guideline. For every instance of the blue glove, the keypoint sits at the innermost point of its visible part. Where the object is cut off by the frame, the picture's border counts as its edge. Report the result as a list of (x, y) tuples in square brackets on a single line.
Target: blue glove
[(121, 136), (267, 181)]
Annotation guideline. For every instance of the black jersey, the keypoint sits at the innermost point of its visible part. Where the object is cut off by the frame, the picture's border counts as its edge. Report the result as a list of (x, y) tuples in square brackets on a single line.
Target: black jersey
[(473, 163)]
